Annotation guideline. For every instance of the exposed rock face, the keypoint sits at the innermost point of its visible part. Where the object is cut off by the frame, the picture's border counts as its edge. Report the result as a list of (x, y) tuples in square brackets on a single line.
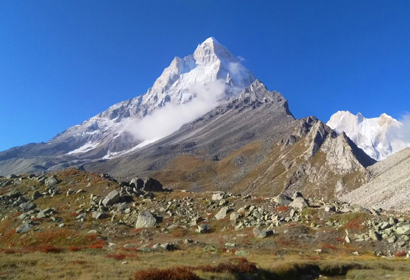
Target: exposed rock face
[(145, 220)]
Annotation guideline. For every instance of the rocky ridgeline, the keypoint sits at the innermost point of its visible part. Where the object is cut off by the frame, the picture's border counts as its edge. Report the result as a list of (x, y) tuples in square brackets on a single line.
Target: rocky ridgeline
[(143, 204)]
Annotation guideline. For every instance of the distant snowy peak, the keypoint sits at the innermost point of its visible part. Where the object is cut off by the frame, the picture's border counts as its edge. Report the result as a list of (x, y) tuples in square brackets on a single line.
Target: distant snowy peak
[(378, 137)]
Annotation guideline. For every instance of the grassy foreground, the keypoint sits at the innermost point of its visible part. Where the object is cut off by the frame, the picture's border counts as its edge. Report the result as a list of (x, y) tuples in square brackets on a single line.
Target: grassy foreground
[(108, 264)]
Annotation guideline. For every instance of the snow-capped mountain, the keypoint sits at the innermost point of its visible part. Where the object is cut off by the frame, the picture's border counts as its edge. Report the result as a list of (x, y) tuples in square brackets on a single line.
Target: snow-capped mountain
[(378, 137), (205, 78)]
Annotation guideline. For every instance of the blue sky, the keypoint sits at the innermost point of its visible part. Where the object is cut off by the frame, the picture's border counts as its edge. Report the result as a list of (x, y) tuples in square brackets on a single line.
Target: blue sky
[(62, 62)]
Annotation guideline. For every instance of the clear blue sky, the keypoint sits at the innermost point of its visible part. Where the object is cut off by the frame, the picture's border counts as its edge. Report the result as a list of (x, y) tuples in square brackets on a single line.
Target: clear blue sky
[(62, 62)]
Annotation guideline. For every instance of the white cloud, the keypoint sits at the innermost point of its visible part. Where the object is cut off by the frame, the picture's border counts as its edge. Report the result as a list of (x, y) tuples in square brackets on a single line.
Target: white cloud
[(240, 58), (170, 118), (235, 68)]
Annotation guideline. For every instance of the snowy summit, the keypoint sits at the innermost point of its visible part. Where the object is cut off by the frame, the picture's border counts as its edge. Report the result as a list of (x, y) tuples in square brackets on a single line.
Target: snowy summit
[(378, 137)]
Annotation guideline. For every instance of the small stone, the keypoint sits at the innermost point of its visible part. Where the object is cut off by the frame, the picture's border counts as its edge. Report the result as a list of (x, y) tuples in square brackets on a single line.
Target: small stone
[(241, 253), (203, 228)]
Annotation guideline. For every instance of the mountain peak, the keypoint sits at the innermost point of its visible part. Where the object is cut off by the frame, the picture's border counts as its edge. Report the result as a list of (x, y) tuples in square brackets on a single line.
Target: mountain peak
[(376, 136)]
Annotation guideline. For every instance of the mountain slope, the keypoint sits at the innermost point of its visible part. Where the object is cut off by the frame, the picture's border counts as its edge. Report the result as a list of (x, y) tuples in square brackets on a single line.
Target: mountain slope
[(389, 187), (378, 137), (251, 144), (198, 82)]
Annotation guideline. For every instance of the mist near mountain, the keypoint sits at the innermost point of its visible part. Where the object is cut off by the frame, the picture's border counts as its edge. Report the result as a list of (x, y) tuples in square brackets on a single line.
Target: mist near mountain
[(170, 118)]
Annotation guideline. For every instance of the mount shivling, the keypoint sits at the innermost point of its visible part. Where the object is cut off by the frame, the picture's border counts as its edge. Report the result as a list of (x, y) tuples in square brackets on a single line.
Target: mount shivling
[(209, 160), (207, 123)]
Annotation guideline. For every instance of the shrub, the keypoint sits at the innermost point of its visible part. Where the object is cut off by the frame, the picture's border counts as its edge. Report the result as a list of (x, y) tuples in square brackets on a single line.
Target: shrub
[(175, 273), (120, 257), (75, 248), (97, 244), (235, 266), (49, 249), (282, 208), (400, 254)]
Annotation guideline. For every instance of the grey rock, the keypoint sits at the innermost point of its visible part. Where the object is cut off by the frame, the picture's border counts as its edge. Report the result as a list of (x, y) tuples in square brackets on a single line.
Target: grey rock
[(374, 235), (81, 216), (37, 195), (98, 215), (51, 181), (403, 230), (258, 233), (299, 203), (27, 206), (24, 228), (145, 220), (218, 196), (392, 239), (203, 228), (222, 213), (241, 253), (112, 198), (234, 216), (392, 221), (153, 185), (283, 199)]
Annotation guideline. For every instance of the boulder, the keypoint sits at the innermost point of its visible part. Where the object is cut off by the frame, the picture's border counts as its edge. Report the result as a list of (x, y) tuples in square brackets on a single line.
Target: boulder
[(51, 181), (98, 215), (283, 199), (153, 185), (203, 228), (374, 235), (137, 183), (222, 213), (258, 233), (145, 220), (37, 195), (24, 228), (299, 202), (403, 230), (112, 198), (27, 206), (234, 216), (218, 196)]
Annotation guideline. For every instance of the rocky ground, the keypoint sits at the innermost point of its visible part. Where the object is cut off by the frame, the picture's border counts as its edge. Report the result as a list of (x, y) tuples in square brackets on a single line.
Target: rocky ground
[(140, 225)]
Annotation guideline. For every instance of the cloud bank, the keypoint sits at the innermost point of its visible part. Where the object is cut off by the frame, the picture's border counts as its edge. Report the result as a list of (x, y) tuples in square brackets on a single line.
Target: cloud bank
[(170, 118)]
